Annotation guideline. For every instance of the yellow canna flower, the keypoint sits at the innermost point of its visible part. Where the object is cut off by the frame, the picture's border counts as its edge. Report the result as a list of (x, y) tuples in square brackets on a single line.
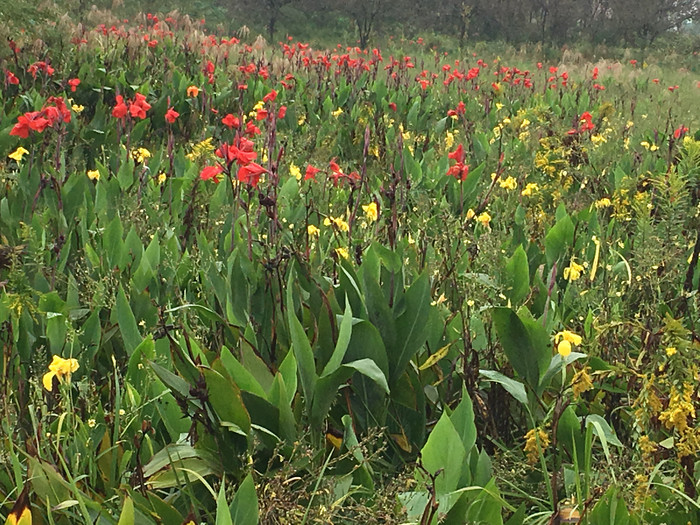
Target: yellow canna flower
[(77, 108), (338, 222), (192, 91), (564, 348), (294, 171), (60, 368), (342, 252), (162, 177), (337, 112), (93, 175), (312, 230), (371, 211), (484, 218), (509, 183), (141, 154), (573, 271), (18, 154)]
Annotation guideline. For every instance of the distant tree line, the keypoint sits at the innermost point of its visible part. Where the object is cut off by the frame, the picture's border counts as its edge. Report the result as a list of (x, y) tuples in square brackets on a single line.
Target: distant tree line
[(631, 22)]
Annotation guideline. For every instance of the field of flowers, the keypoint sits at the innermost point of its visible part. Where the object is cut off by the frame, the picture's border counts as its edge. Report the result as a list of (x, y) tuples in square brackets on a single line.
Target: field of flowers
[(251, 283)]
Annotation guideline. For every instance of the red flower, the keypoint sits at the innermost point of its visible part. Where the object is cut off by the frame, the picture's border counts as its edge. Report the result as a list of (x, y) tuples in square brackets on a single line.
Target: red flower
[(139, 106), (261, 115), (457, 155), (210, 172), (250, 173), (120, 110), (679, 132), (34, 120), (282, 112), (270, 97), (251, 129), (459, 170), (171, 115), (73, 83), (458, 111), (11, 78), (230, 121), (392, 105), (311, 172)]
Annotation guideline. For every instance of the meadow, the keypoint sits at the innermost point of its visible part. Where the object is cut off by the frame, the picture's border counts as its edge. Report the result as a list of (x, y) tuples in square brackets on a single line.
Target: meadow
[(246, 282)]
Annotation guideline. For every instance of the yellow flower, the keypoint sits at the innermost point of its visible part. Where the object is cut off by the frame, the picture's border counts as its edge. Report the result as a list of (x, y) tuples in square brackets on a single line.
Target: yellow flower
[(499, 106), (603, 203), (532, 447), (470, 214), (294, 171), (564, 348), (140, 154), (671, 350), (342, 252), (18, 154), (581, 382), (508, 183), (680, 409), (20, 516), (573, 271), (567, 335), (77, 108), (60, 368), (312, 230), (598, 139), (258, 105), (524, 124), (371, 211), (564, 341), (338, 222), (449, 140), (531, 188), (484, 218), (337, 112), (162, 177), (93, 175), (301, 120)]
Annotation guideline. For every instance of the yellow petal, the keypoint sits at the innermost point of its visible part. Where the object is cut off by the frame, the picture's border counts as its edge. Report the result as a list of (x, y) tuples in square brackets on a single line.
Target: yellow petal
[(564, 348), (48, 380)]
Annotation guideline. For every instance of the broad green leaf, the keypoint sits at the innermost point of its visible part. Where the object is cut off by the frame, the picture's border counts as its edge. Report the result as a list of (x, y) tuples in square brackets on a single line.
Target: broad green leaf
[(517, 276), (127, 515), (301, 347), (444, 451), (342, 345), (244, 507), (223, 514), (525, 357), (412, 327), (513, 387), (127, 323), (558, 238)]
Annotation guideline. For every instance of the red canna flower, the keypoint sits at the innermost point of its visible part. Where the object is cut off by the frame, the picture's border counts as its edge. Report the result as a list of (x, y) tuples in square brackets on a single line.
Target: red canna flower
[(251, 129), (458, 111), (680, 132), (33, 120), (311, 172), (261, 115), (250, 173), (139, 106), (120, 110), (230, 121), (392, 105), (74, 83), (11, 78), (270, 97), (210, 172), (171, 115), (459, 170), (282, 112)]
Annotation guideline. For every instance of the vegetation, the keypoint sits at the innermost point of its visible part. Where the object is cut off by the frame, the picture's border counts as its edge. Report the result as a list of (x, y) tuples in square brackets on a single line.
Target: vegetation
[(246, 283)]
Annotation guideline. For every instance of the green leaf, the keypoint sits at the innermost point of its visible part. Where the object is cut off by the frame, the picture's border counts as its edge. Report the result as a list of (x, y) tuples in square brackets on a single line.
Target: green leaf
[(244, 507), (127, 323), (127, 515), (301, 347), (225, 399), (412, 325), (558, 238), (526, 358), (223, 514), (517, 276), (342, 345), (513, 387), (444, 452), (463, 421)]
